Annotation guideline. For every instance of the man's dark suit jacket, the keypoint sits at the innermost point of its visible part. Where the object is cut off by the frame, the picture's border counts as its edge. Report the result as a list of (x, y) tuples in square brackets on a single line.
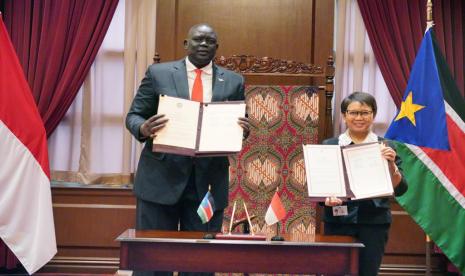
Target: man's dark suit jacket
[(160, 177), (366, 211)]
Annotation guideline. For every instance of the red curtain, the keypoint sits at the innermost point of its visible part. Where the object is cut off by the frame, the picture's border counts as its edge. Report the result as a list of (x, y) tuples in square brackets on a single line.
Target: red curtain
[(56, 42), (396, 28)]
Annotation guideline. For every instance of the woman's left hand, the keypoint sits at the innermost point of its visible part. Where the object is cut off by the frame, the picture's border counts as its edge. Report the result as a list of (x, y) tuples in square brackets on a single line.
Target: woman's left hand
[(388, 153)]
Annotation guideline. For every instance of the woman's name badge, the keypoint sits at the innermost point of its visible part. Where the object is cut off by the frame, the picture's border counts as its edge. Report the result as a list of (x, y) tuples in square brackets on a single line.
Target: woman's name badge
[(340, 211)]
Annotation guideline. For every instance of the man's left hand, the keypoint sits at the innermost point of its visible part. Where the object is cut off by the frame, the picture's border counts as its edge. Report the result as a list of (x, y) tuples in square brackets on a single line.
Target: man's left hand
[(244, 123)]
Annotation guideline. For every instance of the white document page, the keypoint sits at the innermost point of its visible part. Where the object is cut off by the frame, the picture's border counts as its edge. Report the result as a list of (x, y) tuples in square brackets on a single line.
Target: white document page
[(324, 170), (367, 171), (220, 130), (181, 129)]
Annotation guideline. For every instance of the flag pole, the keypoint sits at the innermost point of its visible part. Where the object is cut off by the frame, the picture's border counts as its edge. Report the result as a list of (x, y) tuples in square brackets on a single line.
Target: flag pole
[(248, 219), (278, 236), (428, 256), (429, 24), (208, 222), (232, 217)]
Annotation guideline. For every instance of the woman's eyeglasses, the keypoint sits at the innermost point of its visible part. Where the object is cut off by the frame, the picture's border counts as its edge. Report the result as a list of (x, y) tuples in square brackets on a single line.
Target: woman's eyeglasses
[(354, 114)]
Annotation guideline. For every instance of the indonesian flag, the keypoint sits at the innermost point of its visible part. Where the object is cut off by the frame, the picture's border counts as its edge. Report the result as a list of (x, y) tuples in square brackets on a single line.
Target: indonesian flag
[(26, 218), (430, 133), (276, 211)]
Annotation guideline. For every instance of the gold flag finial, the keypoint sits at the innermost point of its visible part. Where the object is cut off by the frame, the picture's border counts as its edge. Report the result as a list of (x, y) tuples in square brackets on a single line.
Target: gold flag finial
[(429, 14)]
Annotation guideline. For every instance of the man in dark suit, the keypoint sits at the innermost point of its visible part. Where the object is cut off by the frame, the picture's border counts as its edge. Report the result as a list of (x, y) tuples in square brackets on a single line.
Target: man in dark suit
[(168, 187)]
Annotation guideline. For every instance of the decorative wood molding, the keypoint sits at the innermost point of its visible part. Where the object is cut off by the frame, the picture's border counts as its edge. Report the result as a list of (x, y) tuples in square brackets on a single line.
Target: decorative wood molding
[(156, 58), (410, 269), (329, 91), (88, 218), (247, 64), (94, 206), (91, 265)]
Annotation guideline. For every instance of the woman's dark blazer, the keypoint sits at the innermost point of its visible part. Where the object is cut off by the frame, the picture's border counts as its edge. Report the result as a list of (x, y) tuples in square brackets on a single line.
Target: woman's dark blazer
[(366, 211)]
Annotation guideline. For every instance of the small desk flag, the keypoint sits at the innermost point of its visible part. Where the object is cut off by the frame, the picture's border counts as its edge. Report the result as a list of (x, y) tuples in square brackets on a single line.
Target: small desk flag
[(206, 208), (276, 211)]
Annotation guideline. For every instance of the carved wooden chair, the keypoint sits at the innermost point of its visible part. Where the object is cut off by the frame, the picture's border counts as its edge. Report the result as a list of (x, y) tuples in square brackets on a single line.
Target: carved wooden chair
[(289, 104)]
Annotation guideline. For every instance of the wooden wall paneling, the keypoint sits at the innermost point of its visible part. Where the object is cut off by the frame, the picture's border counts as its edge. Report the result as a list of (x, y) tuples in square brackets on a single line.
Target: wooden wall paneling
[(277, 28), (165, 29), (323, 30), (82, 224), (406, 248), (87, 221)]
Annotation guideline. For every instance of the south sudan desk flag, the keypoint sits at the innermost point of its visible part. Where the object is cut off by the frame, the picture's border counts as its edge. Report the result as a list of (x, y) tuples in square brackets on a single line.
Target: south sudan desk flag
[(26, 216), (206, 208), (430, 134)]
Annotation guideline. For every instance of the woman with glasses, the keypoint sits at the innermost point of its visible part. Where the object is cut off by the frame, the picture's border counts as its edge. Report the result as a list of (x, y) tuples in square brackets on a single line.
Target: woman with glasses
[(368, 220)]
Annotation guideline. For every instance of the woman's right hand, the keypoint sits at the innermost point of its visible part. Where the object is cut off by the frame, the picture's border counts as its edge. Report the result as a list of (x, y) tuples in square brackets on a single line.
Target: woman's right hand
[(333, 201)]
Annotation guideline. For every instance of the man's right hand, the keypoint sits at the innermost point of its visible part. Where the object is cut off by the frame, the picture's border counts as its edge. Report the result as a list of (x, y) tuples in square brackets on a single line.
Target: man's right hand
[(152, 125)]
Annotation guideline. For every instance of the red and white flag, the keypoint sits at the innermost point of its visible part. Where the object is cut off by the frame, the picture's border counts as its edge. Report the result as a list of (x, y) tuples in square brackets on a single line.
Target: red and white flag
[(26, 217), (276, 211)]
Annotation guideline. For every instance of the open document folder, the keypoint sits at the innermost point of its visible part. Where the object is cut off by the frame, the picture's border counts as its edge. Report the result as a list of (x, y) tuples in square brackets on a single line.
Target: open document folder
[(355, 171), (199, 129)]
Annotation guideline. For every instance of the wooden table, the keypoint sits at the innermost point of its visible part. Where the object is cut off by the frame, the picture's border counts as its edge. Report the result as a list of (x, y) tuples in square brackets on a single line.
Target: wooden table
[(188, 251)]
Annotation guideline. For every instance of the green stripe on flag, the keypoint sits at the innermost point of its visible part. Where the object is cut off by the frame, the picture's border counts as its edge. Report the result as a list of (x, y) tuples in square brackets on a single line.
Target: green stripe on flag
[(203, 216), (432, 207), (449, 87)]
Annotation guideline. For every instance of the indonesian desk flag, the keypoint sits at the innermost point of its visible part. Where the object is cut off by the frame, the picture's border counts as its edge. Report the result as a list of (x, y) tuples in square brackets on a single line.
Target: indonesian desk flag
[(26, 218), (206, 208), (276, 211), (430, 133)]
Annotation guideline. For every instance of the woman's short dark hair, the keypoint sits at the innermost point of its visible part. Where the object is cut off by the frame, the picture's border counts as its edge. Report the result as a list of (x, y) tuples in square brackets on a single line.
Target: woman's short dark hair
[(361, 97)]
